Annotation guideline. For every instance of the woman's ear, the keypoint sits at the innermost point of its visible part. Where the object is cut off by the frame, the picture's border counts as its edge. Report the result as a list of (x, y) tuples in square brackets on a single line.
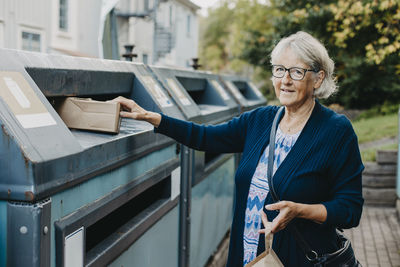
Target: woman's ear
[(320, 78)]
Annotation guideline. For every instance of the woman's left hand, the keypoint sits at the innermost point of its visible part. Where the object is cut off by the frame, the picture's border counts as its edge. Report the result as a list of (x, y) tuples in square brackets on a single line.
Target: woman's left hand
[(288, 210)]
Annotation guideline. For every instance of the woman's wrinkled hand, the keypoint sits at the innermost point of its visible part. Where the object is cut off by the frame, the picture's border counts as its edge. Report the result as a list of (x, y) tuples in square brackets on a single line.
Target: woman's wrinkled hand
[(267, 224), (288, 210), (130, 109)]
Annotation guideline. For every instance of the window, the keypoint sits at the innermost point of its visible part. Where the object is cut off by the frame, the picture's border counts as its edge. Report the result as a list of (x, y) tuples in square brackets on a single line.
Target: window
[(146, 5), (145, 58), (31, 41), (188, 26), (63, 18)]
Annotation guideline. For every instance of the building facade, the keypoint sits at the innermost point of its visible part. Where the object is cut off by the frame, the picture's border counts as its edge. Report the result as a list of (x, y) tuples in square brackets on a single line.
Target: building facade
[(163, 32)]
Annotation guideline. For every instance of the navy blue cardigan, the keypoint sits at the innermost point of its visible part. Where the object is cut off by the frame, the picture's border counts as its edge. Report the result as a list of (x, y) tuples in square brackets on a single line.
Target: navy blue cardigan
[(324, 166)]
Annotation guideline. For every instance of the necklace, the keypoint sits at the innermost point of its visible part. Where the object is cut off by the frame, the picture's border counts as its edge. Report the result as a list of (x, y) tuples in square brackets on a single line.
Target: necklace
[(293, 127), (292, 124)]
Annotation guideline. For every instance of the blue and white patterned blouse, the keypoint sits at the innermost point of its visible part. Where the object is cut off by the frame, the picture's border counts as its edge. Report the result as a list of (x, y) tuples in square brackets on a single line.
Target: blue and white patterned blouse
[(258, 192)]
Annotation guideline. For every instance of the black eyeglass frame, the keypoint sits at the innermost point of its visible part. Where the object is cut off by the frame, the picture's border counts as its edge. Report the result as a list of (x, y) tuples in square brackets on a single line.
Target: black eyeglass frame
[(289, 69)]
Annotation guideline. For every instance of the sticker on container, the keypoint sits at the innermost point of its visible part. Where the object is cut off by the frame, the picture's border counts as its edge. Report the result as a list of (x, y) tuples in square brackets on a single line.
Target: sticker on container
[(177, 91), (234, 90), (73, 248), (175, 183), (23, 102), (255, 89), (220, 90), (156, 91)]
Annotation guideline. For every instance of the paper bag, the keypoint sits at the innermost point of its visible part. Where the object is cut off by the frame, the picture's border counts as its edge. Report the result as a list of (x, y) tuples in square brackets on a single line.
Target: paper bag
[(268, 258)]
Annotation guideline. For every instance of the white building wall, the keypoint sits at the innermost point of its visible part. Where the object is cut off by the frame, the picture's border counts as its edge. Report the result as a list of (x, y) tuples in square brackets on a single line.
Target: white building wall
[(136, 31), (17, 16), (2, 17), (186, 44), (82, 35), (42, 17), (65, 39), (187, 41), (141, 35), (2, 41), (89, 25)]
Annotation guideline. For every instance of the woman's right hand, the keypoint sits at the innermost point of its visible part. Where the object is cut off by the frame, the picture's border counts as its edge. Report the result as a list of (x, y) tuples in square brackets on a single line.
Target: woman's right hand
[(130, 109)]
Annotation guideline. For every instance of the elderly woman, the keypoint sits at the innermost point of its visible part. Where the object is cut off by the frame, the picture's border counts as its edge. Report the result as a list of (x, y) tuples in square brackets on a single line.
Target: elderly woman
[(316, 167)]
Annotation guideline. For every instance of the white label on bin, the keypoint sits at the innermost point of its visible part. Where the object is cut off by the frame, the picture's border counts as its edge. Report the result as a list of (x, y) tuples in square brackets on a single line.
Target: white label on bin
[(255, 89), (156, 91), (177, 91), (17, 92), (73, 248), (175, 183), (33, 120), (220, 90), (23, 101), (234, 90)]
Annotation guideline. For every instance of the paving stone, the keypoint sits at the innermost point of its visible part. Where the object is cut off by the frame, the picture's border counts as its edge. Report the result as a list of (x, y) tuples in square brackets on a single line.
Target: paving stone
[(379, 231), (376, 241)]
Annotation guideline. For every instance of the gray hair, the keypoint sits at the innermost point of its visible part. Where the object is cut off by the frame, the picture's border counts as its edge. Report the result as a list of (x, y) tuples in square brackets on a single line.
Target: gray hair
[(313, 53)]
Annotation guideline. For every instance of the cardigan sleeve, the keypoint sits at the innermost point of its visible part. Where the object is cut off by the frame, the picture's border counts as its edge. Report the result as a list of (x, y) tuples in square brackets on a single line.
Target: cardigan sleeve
[(345, 206), (228, 137)]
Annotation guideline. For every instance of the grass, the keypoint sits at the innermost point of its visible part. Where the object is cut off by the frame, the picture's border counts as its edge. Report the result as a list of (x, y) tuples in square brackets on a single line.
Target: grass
[(370, 153), (376, 128)]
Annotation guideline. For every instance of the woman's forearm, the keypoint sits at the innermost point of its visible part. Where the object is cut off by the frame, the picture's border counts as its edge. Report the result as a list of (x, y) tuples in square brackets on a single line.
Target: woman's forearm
[(153, 118), (313, 212)]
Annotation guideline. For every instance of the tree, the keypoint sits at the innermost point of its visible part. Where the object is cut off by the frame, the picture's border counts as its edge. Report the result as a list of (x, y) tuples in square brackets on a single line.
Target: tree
[(214, 35), (363, 38), (224, 33)]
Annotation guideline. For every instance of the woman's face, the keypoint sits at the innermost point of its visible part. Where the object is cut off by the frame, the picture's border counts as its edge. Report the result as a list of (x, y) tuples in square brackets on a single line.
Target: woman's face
[(292, 93)]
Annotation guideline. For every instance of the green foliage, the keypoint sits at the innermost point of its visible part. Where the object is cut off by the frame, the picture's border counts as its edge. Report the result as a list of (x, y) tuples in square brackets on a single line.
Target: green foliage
[(363, 38), (223, 34), (214, 38), (385, 109)]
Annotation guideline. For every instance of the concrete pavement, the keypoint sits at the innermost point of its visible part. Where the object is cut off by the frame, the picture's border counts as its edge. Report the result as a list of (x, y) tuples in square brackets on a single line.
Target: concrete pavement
[(376, 241)]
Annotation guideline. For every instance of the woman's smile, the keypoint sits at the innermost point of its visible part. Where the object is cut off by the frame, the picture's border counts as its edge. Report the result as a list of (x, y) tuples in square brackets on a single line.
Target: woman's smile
[(287, 91)]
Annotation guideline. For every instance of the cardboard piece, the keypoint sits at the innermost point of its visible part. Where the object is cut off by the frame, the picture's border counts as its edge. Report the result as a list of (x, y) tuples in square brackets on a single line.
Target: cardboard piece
[(88, 114)]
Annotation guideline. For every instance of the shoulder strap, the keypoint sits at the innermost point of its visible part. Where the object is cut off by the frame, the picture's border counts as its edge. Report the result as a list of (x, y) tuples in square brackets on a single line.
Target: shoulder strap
[(271, 153), (311, 255)]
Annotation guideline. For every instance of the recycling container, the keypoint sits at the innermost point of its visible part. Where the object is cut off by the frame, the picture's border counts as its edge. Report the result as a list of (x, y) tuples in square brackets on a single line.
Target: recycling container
[(202, 98), (244, 91), (83, 198)]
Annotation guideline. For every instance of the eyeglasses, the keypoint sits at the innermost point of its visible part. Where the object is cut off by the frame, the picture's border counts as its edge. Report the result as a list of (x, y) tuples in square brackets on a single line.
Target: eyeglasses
[(295, 73)]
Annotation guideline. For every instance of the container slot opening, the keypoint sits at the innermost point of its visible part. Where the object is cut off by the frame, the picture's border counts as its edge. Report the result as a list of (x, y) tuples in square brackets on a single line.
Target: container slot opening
[(100, 230), (246, 91), (210, 157), (99, 85), (201, 91), (57, 101)]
